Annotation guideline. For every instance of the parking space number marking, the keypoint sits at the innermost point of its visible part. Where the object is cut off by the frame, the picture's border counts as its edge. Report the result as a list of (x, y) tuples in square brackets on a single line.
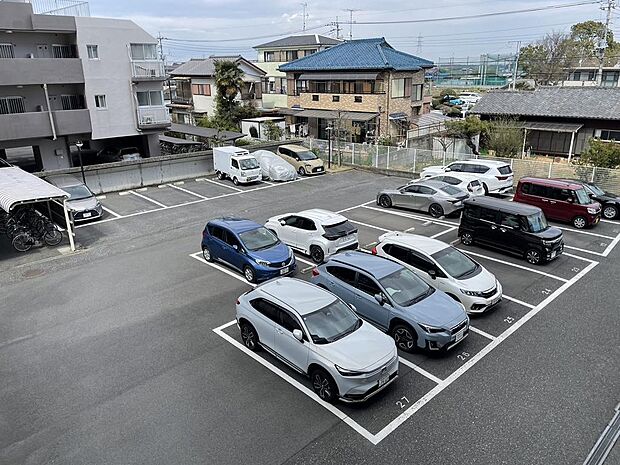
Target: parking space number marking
[(509, 319), (463, 356), (546, 291), (402, 403)]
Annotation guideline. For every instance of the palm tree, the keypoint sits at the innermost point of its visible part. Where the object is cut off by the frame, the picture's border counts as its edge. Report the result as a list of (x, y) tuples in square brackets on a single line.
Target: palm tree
[(228, 83)]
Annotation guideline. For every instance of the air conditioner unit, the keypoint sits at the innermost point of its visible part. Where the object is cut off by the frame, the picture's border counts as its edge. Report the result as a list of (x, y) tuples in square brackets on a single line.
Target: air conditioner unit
[(152, 72)]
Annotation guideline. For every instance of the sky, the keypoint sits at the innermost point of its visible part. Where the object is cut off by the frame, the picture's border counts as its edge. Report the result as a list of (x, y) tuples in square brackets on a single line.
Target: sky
[(199, 28)]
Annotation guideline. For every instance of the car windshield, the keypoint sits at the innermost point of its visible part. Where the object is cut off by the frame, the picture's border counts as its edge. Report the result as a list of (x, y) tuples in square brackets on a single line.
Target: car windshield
[(307, 155), (258, 239), (456, 263), (341, 229), (582, 197), (248, 163), (405, 288), (537, 222), (77, 192), (331, 323), (506, 169), (451, 190), (595, 189)]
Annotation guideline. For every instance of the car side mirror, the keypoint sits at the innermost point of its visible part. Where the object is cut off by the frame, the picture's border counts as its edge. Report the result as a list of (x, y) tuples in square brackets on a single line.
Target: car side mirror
[(432, 274), (282, 223), (380, 299), (298, 335), (353, 307), (448, 169), (570, 200), (236, 247)]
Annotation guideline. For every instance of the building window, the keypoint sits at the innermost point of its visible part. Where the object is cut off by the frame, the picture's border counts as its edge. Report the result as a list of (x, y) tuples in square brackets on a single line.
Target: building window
[(401, 88), (291, 55), (610, 135), (93, 52), (63, 51), (143, 51), (7, 51), (270, 56), (315, 98), (150, 98), (357, 99), (72, 102), (201, 89), (335, 98), (9, 105), (610, 79), (100, 101), (416, 92)]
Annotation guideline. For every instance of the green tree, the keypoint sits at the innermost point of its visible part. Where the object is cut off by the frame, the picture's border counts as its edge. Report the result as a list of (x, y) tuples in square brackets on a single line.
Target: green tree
[(586, 37), (546, 60), (468, 129), (505, 137), (228, 82), (273, 131), (447, 91), (602, 154)]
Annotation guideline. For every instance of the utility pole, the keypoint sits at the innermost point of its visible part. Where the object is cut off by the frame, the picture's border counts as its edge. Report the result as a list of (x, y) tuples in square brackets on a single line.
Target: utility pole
[(514, 71), (602, 45), (350, 10), (160, 38), (419, 46), (304, 5), (336, 24)]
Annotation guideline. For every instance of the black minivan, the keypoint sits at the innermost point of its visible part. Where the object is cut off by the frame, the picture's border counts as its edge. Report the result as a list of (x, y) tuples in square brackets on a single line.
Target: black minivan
[(512, 227)]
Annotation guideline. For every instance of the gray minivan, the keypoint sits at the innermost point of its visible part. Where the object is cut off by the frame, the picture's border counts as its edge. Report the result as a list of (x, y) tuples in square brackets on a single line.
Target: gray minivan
[(82, 202)]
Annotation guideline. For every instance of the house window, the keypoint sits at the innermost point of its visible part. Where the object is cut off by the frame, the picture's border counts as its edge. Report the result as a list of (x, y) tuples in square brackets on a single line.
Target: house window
[(292, 55), (100, 101), (201, 89), (357, 99), (315, 98), (270, 56), (150, 98), (610, 79), (93, 52), (7, 51), (401, 88), (335, 98), (416, 92), (9, 105), (72, 102), (143, 51), (63, 51), (610, 135)]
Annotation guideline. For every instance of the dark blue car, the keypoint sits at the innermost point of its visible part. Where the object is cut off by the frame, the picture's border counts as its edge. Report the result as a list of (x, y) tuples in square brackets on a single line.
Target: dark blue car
[(248, 247)]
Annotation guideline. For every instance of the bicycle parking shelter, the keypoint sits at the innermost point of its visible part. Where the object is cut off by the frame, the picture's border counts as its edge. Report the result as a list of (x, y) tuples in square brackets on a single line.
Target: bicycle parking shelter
[(18, 187)]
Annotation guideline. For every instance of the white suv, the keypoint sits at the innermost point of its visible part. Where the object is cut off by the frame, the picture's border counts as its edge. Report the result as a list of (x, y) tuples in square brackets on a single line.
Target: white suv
[(496, 176), (443, 267), (317, 334), (315, 232), (465, 181)]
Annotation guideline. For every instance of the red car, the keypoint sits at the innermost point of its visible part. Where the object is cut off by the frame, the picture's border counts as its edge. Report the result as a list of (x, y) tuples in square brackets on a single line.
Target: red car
[(560, 200)]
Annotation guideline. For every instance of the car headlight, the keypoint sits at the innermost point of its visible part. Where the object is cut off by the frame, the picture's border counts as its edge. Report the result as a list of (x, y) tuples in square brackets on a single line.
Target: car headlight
[(431, 329), (592, 210), (547, 243), (345, 372), (471, 293), (262, 262), (308, 165)]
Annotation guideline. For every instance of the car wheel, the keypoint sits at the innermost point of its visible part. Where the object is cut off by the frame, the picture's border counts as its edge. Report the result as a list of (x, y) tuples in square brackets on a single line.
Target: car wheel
[(610, 212), (220, 175), (579, 222), (323, 385), (249, 337), (206, 254), (533, 256), (435, 210), (249, 274), (301, 171), (317, 254), (385, 201), (405, 337), (467, 238), (235, 181), (486, 188)]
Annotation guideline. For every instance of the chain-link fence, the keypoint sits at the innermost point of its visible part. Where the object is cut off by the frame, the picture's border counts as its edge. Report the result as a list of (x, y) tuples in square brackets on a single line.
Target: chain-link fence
[(415, 160)]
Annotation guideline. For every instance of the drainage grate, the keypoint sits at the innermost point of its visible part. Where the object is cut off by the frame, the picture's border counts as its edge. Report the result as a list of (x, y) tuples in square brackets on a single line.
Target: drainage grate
[(605, 442)]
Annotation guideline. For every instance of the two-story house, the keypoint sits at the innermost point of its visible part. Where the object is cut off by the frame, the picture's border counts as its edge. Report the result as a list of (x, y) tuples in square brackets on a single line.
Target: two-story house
[(272, 55), (195, 87), (586, 76), (64, 78), (365, 86)]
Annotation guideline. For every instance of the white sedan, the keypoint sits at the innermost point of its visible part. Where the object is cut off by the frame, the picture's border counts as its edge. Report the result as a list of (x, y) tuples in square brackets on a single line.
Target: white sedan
[(469, 183), (443, 267)]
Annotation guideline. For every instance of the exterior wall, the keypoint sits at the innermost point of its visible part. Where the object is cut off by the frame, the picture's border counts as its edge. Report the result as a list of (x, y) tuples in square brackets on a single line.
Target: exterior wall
[(110, 75), (204, 103), (370, 102), (25, 71)]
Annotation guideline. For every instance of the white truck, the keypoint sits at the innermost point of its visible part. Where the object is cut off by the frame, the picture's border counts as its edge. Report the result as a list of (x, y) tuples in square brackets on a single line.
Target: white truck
[(237, 164)]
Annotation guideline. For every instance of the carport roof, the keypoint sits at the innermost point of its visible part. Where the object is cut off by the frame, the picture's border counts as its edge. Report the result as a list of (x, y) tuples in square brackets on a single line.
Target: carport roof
[(208, 133), (329, 114), (551, 127), (19, 187)]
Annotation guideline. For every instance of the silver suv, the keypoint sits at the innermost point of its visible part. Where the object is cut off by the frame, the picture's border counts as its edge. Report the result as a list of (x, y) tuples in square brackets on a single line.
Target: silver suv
[(318, 335)]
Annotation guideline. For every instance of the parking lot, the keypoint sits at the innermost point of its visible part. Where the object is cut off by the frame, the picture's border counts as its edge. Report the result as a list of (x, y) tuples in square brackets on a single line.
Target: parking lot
[(256, 382)]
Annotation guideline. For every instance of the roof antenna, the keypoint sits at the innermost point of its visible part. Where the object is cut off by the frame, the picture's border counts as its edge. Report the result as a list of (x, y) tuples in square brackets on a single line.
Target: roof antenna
[(304, 14)]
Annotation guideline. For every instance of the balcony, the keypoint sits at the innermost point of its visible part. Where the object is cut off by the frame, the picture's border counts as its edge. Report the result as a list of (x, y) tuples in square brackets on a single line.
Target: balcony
[(36, 125), (153, 117), (147, 70), (28, 71)]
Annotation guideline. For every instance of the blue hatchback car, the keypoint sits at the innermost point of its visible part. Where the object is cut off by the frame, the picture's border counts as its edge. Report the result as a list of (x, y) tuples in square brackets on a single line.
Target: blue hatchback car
[(247, 246), (394, 299)]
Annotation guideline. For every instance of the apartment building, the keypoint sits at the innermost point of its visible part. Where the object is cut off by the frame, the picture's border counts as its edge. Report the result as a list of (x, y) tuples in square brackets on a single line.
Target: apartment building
[(69, 78), (365, 87), (272, 55), (195, 94), (586, 76)]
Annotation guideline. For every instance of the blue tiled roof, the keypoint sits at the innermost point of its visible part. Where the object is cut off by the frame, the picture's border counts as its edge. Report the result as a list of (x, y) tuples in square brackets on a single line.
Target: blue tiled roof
[(371, 54)]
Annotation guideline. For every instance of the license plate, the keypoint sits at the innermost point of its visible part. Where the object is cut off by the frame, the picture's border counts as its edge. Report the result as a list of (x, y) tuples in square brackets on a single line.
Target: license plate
[(553, 254), (284, 270), (384, 379), (460, 335), (495, 301), (319, 169), (87, 215)]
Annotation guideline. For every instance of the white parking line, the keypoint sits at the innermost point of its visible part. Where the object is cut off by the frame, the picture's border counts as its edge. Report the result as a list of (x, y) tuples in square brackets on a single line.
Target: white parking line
[(411, 216), (148, 198), (293, 382), (111, 212), (124, 193), (450, 229), (482, 333), (187, 191), (355, 206), (303, 260), (270, 183), (580, 231), (515, 265), (372, 226), (224, 185), (517, 301), (611, 246), (198, 256), (584, 250), (101, 197), (420, 370)]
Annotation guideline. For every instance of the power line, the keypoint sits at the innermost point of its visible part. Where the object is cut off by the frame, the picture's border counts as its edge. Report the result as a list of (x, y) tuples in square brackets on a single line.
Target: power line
[(247, 38)]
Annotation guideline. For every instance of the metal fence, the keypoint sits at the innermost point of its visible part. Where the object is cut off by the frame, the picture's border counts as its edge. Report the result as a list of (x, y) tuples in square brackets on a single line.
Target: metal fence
[(415, 160)]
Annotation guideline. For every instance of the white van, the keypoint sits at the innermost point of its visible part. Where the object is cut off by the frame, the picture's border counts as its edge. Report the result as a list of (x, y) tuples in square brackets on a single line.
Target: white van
[(237, 164)]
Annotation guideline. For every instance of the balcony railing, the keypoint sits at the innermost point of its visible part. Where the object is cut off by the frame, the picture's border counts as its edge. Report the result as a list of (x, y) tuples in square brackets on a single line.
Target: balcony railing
[(147, 70), (153, 117)]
